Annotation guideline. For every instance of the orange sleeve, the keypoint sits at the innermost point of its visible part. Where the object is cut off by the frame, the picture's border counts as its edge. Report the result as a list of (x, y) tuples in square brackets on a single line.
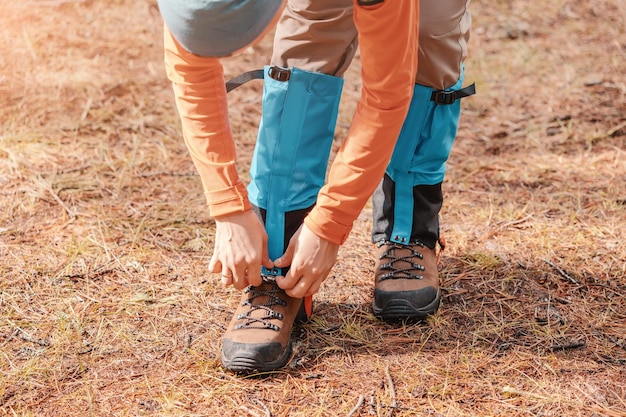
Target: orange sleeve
[(200, 94), (388, 35)]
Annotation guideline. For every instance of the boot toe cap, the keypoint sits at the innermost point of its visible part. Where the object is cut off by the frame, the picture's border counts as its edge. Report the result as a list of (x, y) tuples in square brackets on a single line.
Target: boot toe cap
[(404, 305), (252, 357)]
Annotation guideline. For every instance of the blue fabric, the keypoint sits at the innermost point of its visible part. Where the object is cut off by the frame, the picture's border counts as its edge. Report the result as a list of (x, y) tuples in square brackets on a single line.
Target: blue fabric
[(293, 146), (217, 28), (421, 152)]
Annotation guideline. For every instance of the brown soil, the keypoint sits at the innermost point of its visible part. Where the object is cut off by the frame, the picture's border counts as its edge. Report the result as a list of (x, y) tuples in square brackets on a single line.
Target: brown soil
[(106, 305)]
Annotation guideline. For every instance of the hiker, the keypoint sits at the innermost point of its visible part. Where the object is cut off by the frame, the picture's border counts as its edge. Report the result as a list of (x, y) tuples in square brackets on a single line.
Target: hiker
[(278, 237)]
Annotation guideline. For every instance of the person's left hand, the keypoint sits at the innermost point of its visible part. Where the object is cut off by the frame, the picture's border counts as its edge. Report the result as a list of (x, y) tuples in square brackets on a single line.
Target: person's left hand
[(311, 259)]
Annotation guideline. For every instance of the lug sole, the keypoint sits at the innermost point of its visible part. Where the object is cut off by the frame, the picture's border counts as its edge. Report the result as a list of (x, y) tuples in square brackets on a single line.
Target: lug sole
[(401, 310)]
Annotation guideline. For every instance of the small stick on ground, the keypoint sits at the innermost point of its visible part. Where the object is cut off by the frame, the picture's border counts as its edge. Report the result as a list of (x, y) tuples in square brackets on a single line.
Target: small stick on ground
[(268, 413), (25, 336), (249, 411), (56, 198), (372, 404), (358, 405), (392, 388), (566, 346), (562, 272)]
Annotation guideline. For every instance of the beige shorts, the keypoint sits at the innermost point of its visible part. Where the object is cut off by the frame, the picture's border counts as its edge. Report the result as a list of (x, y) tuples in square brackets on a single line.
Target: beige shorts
[(319, 36)]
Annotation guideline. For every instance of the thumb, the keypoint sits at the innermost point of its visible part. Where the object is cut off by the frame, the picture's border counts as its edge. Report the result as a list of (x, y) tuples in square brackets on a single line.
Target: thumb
[(286, 259)]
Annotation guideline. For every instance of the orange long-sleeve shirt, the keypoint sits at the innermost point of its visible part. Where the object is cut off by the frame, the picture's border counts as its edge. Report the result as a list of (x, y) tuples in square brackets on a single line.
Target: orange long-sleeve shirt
[(200, 92), (388, 41)]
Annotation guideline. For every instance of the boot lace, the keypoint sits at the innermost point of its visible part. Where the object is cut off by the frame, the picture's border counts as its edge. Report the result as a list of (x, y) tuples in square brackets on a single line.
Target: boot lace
[(403, 266), (268, 289)]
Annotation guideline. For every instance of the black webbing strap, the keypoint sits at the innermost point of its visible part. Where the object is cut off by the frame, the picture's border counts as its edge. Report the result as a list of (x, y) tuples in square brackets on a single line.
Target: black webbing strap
[(449, 97), (439, 97), (243, 78)]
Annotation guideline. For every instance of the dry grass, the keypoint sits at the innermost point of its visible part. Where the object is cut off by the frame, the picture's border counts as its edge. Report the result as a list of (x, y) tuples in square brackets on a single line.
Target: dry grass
[(106, 307)]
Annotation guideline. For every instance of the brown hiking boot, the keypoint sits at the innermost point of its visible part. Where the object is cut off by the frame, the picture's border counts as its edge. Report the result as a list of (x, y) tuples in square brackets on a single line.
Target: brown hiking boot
[(258, 338), (407, 282)]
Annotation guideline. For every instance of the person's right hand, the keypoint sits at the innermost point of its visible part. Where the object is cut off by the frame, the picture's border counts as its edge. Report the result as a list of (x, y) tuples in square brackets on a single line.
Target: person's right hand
[(240, 249), (311, 258)]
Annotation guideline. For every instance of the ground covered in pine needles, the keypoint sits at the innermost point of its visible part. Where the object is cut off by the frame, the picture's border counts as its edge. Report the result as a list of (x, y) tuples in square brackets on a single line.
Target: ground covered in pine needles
[(106, 306)]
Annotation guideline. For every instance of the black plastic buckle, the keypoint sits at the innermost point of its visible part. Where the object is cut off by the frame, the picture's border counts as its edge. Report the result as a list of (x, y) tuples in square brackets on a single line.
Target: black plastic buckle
[(279, 74), (449, 97), (443, 97)]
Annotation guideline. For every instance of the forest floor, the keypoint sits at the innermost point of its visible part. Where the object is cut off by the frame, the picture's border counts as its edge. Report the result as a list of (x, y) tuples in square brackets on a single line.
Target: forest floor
[(106, 304)]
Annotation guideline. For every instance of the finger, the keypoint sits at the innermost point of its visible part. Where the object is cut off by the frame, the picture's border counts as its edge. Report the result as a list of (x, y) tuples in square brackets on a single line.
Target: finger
[(290, 279), (227, 278), (239, 279), (253, 274), (300, 288), (265, 257), (215, 266), (309, 285), (315, 287), (287, 257)]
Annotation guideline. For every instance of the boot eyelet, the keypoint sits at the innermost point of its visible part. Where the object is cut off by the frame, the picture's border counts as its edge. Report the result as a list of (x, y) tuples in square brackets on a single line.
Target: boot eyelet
[(275, 315)]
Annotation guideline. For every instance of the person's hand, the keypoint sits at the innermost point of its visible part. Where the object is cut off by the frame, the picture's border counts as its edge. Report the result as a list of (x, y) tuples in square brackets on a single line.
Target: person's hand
[(311, 259), (240, 249)]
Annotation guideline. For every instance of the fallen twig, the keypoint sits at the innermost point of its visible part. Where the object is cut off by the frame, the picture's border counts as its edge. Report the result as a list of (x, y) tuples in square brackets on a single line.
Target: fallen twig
[(25, 336), (56, 198), (562, 272), (358, 405), (95, 273), (611, 132), (372, 404), (392, 388), (249, 411), (268, 413), (566, 346)]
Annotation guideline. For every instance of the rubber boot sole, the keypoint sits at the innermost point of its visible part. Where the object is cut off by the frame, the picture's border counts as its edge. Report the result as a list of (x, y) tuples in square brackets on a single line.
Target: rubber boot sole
[(247, 362), (402, 310)]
